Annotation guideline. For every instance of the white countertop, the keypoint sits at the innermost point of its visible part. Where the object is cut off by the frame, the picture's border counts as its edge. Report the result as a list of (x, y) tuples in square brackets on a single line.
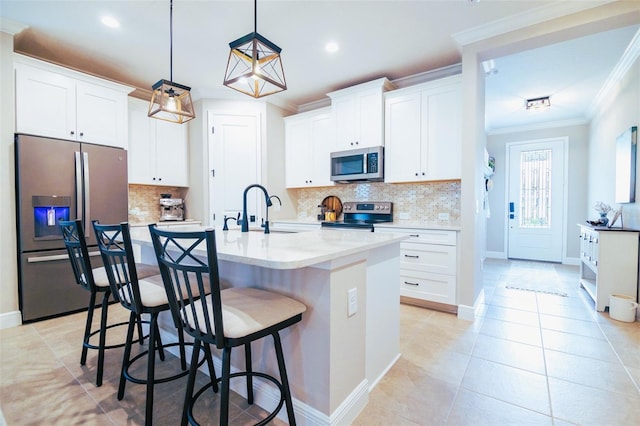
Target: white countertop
[(280, 223), (289, 250)]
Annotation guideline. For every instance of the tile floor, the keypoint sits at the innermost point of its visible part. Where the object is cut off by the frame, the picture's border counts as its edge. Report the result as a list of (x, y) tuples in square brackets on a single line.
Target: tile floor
[(530, 358)]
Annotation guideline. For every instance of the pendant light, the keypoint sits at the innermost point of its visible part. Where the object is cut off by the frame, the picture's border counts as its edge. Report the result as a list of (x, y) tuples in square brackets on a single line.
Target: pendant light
[(255, 65), (171, 101)]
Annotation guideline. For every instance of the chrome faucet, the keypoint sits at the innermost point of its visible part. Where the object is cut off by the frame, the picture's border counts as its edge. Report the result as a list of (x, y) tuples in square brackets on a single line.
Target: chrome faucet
[(245, 219)]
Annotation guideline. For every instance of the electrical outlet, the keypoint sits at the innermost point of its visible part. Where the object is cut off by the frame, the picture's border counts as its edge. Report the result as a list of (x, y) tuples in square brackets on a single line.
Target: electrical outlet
[(352, 302), (443, 216), (403, 215)]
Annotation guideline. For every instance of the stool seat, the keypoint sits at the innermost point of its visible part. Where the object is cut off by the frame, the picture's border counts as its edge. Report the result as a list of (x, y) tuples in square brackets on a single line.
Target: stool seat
[(246, 311)]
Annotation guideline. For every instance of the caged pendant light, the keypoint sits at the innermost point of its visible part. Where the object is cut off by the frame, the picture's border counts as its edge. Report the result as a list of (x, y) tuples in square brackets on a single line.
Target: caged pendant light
[(171, 101), (255, 66)]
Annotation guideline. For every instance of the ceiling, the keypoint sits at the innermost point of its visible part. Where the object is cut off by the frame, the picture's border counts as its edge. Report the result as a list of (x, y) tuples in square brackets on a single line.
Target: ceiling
[(394, 39)]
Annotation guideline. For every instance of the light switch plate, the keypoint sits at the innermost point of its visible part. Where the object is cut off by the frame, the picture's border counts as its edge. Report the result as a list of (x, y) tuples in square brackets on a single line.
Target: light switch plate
[(352, 302)]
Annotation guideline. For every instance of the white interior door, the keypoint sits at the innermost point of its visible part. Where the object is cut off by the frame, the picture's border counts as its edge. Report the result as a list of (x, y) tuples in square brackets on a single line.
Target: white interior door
[(535, 202), (234, 154)]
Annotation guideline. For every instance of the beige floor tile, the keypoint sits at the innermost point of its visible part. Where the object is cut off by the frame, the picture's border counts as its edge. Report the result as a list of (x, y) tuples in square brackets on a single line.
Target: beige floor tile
[(527, 304), (583, 405), (507, 352), (609, 376), (568, 325), (513, 385), (518, 316), (578, 345), (512, 331), (474, 409), (409, 397)]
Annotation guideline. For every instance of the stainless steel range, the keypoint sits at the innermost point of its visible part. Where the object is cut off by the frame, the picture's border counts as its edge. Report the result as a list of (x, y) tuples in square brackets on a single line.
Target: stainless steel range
[(363, 215)]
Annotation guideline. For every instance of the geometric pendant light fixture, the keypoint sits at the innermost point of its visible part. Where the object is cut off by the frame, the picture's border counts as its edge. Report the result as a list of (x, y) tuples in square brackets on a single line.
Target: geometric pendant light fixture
[(255, 66), (171, 101)]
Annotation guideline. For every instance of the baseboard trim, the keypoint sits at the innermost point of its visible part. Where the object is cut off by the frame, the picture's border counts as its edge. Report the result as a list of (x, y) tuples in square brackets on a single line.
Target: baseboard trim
[(469, 313), (495, 255), (10, 319)]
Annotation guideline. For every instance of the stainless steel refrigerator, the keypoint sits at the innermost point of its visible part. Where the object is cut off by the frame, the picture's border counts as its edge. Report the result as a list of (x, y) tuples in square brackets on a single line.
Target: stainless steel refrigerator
[(61, 180)]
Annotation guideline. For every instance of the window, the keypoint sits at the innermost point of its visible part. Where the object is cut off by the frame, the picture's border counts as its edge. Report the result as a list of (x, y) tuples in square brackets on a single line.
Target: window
[(535, 189)]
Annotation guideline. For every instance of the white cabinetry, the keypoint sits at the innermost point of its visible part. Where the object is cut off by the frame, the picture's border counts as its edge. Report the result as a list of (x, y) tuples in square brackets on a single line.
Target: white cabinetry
[(423, 134), (608, 263), (428, 266), (157, 149), (308, 143), (358, 114), (55, 102)]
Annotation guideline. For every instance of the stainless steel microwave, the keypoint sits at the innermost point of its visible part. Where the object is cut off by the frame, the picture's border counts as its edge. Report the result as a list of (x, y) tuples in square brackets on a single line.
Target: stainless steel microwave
[(363, 164)]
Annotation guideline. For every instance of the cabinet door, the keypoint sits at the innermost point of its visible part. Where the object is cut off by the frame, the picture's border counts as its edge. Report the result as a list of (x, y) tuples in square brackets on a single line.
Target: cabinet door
[(344, 118), (443, 128), (369, 119), (322, 139), (45, 103), (101, 115), (171, 153), (403, 138), (298, 153), (142, 149)]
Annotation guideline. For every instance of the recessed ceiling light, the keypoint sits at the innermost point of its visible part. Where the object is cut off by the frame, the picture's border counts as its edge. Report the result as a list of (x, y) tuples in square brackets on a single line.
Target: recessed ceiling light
[(110, 21), (332, 47)]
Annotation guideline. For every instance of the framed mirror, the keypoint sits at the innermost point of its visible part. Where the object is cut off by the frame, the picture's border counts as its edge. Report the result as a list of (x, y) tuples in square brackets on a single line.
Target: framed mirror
[(626, 166)]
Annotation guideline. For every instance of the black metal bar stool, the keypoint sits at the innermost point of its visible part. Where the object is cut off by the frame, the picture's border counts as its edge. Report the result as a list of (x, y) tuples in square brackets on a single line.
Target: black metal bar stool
[(95, 281), (140, 296), (226, 318)]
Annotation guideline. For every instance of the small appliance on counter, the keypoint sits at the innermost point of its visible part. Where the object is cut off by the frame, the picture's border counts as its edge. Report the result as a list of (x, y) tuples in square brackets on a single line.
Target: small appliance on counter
[(171, 209), (363, 215)]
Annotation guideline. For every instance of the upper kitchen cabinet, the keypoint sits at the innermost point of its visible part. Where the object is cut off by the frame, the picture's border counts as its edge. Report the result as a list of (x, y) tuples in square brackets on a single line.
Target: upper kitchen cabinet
[(423, 134), (308, 143), (358, 114), (157, 149), (56, 102)]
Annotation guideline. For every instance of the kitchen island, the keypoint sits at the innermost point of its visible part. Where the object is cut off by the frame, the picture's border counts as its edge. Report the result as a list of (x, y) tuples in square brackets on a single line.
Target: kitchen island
[(348, 337)]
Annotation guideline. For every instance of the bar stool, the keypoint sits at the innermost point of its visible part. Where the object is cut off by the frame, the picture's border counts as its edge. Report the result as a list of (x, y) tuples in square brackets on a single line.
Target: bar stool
[(95, 281), (225, 318), (140, 296)]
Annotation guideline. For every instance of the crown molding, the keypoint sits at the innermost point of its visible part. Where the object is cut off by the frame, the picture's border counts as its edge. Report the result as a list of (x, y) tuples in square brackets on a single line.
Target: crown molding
[(627, 60), (523, 20), (11, 27), (538, 126)]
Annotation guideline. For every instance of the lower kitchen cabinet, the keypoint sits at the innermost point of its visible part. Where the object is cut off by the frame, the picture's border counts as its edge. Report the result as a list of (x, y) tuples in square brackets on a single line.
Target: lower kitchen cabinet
[(428, 266)]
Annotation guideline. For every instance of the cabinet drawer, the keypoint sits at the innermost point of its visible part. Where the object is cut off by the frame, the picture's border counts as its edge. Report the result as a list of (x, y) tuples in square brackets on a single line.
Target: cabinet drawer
[(428, 258), (434, 287), (433, 237)]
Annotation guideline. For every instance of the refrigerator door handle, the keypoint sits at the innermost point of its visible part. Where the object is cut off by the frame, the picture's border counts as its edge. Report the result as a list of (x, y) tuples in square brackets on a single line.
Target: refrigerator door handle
[(87, 198), (79, 212), (55, 257)]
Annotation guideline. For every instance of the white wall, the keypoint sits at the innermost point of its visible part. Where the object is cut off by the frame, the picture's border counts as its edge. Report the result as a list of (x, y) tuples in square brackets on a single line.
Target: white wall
[(577, 149), (8, 249), (621, 111)]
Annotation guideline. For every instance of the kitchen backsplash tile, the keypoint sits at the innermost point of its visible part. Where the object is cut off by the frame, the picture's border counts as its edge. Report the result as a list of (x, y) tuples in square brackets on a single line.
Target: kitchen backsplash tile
[(144, 202), (426, 202)]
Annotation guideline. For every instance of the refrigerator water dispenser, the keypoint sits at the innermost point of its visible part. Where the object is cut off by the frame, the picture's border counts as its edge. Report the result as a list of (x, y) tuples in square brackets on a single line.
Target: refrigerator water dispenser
[(47, 211)]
